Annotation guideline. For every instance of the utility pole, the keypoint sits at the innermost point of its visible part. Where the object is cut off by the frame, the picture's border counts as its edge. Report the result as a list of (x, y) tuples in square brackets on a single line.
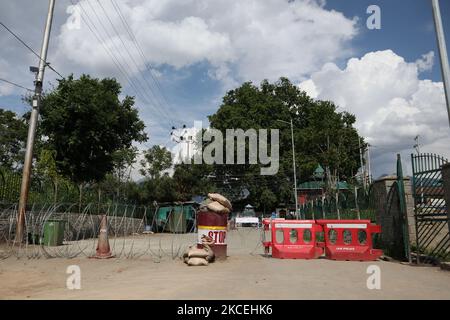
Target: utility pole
[(293, 164), (363, 170), (368, 165), (182, 138), (417, 145), (33, 125), (442, 52), (295, 173)]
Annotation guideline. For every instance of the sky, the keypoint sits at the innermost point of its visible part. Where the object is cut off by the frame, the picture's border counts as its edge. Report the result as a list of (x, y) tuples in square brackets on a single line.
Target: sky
[(188, 54)]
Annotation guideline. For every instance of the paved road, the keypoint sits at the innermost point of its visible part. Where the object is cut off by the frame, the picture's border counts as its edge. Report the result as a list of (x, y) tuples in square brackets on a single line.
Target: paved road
[(245, 275)]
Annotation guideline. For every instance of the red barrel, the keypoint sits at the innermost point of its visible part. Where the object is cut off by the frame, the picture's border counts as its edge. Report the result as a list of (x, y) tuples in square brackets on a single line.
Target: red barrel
[(213, 225)]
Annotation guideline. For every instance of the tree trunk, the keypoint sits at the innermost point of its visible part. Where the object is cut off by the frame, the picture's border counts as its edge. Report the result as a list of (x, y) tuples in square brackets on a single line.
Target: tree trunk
[(80, 188), (99, 199), (56, 191)]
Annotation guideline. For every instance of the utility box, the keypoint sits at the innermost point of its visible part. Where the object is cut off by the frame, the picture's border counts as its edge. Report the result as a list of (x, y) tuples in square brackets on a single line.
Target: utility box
[(53, 232)]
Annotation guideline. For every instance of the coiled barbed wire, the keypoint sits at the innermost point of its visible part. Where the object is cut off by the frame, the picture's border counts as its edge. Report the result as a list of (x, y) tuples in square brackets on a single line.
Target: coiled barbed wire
[(126, 225)]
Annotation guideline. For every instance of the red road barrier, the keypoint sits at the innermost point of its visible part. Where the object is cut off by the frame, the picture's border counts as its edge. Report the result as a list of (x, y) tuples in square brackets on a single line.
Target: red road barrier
[(292, 239), (350, 239)]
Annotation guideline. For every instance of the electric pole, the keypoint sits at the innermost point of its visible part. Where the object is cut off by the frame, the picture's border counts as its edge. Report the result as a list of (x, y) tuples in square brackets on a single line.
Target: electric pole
[(442, 52), (182, 139), (363, 170), (33, 125), (369, 170), (417, 145), (295, 173), (293, 164)]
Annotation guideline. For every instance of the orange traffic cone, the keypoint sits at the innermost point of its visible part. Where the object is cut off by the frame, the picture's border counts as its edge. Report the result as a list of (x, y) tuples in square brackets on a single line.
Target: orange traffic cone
[(103, 250)]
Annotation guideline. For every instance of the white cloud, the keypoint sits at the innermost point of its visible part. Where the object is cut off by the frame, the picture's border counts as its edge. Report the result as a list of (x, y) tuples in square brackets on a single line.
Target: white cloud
[(237, 41), (5, 88), (255, 39), (7, 72), (426, 62), (392, 105)]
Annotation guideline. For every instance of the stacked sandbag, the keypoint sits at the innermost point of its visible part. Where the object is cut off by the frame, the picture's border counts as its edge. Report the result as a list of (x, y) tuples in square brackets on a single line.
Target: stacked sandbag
[(194, 261), (200, 257), (216, 203), (221, 199)]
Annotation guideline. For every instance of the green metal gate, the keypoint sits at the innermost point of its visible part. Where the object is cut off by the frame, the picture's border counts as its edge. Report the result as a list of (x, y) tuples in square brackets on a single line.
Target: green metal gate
[(430, 210)]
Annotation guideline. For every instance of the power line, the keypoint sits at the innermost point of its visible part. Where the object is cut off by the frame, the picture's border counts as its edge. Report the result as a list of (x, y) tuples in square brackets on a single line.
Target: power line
[(123, 70), (163, 111), (29, 48), (140, 51), (94, 30), (15, 84)]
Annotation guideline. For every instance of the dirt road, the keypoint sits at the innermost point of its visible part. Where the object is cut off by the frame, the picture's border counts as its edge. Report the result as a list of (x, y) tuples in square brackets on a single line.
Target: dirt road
[(244, 275)]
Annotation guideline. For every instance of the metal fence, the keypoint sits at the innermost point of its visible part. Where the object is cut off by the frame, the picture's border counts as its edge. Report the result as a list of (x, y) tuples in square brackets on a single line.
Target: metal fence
[(346, 205), (44, 190), (126, 225), (430, 209), (133, 232), (9, 186)]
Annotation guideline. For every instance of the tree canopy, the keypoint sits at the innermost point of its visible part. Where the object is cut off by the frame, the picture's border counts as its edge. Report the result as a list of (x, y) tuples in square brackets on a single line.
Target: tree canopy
[(13, 133), (86, 124), (156, 160), (322, 135)]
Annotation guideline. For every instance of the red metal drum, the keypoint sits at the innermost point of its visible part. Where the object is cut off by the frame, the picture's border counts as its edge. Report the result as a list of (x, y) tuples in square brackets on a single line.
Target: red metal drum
[(213, 225)]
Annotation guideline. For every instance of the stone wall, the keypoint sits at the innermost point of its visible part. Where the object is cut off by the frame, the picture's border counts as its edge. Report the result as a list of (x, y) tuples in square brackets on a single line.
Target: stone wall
[(78, 226), (389, 216)]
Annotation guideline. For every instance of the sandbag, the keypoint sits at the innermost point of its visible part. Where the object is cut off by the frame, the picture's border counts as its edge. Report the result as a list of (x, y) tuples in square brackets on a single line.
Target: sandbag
[(197, 262), (211, 256), (217, 207), (197, 253), (221, 199), (204, 205), (185, 256)]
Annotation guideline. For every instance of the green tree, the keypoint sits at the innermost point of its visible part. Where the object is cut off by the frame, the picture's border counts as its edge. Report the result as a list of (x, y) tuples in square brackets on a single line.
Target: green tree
[(13, 133), (156, 160), (86, 123), (161, 189), (123, 160), (46, 170), (322, 135), (192, 179)]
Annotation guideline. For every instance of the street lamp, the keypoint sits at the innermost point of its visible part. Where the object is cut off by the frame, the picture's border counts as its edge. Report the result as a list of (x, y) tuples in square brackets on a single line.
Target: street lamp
[(293, 163)]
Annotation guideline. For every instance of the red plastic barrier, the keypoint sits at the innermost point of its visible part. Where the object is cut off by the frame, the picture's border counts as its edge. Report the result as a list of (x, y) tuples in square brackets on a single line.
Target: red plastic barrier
[(292, 239), (350, 239)]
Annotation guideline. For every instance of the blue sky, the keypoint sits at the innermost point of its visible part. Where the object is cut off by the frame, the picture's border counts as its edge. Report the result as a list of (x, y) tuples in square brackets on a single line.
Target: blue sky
[(200, 49), (407, 28)]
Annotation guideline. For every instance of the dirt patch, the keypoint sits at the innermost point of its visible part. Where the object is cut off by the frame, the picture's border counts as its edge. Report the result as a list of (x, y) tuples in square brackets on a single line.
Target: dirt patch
[(246, 274)]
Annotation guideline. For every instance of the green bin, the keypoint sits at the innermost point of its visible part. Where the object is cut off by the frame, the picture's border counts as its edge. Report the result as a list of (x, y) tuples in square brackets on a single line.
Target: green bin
[(54, 232), (177, 220)]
